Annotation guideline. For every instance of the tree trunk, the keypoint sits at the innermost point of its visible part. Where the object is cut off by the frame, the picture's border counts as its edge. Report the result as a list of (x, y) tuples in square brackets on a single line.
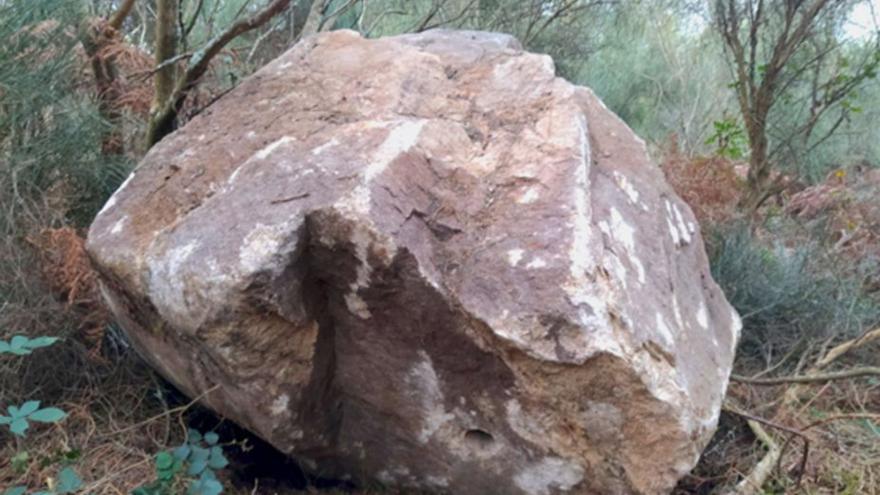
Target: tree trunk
[(166, 77), (758, 179), (171, 93), (313, 21)]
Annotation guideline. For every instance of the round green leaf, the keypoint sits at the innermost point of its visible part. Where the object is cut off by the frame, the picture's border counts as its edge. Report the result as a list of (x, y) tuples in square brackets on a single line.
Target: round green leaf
[(196, 467), (48, 415), (15, 490), (193, 436), (199, 454), (18, 426), (205, 486), (5, 420), (211, 438), (217, 459), (164, 461), (68, 481), (182, 452), (4, 347)]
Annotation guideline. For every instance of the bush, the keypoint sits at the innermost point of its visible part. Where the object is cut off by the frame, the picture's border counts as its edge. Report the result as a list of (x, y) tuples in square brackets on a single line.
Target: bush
[(787, 297)]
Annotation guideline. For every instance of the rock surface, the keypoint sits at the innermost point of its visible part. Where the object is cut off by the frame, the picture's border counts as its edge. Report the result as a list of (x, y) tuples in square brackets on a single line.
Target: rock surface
[(427, 261)]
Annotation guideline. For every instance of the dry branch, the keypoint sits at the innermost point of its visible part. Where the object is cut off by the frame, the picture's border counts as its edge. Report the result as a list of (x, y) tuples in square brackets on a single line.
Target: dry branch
[(813, 378), (848, 346), (751, 484)]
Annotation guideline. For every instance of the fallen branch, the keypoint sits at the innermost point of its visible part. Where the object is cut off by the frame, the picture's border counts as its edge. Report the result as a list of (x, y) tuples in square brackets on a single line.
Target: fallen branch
[(752, 483), (848, 346), (813, 378)]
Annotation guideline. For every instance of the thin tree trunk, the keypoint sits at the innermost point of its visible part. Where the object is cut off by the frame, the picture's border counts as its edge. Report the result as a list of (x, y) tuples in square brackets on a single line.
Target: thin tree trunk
[(166, 78), (163, 118), (313, 21)]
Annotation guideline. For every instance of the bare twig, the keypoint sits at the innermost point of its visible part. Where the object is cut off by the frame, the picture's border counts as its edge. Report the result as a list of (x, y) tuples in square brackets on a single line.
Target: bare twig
[(847, 346), (163, 414), (813, 378)]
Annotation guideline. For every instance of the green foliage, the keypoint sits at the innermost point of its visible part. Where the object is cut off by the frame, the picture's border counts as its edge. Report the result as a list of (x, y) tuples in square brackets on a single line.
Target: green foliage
[(21, 345), (68, 482), (658, 73), (729, 138), (20, 416), (20, 461), (50, 127), (787, 296), (192, 465)]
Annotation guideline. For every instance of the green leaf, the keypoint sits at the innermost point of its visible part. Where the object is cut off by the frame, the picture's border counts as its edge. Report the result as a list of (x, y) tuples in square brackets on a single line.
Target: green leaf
[(18, 342), (21, 345), (166, 475), (20, 461), (13, 411), (199, 454), (68, 481), (197, 467), (193, 436), (5, 420), (15, 490), (211, 438), (164, 461), (41, 342), (19, 426), (72, 455), (48, 415), (182, 452), (217, 459), (29, 407), (205, 486)]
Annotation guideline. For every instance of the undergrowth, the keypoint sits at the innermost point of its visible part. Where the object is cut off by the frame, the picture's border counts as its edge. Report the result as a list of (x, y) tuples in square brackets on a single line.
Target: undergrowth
[(788, 297)]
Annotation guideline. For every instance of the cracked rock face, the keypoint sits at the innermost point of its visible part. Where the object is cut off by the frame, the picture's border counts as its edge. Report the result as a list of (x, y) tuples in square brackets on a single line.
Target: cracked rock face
[(426, 261)]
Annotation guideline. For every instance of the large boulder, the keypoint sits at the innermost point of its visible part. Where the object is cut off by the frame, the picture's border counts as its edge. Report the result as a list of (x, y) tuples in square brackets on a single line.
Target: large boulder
[(426, 261)]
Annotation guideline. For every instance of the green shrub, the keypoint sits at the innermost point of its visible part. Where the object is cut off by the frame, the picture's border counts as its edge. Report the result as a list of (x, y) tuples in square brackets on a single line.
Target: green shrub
[(19, 418), (787, 296), (191, 466)]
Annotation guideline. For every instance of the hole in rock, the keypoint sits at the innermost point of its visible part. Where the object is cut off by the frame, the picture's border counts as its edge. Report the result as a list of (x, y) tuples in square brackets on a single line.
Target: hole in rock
[(478, 439)]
